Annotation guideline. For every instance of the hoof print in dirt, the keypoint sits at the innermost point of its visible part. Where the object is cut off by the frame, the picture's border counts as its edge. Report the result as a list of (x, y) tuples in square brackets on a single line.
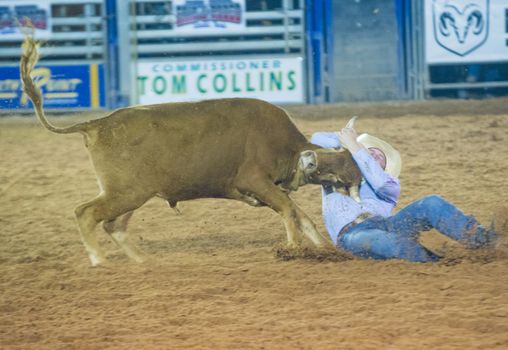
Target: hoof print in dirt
[(285, 253)]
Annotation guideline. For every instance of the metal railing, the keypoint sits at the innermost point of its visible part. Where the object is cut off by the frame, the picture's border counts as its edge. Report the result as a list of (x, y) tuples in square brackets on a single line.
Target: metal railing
[(277, 30), (474, 80), (77, 35)]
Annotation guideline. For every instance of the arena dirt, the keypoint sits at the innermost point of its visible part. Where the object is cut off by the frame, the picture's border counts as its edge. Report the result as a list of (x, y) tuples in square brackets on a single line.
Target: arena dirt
[(218, 276)]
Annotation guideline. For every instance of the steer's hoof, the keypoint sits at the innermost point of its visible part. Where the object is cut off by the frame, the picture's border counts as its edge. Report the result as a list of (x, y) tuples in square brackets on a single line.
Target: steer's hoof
[(97, 260), (141, 259)]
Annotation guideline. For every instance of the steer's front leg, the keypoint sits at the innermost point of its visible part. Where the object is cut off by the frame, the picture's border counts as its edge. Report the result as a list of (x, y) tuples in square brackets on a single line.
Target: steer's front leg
[(296, 222)]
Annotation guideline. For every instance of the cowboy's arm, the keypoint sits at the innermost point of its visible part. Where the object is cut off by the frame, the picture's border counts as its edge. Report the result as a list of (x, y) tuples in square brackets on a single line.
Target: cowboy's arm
[(325, 139), (384, 185)]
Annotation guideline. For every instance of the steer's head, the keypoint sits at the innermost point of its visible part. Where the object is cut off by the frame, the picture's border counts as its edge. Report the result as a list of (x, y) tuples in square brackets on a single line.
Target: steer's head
[(330, 166)]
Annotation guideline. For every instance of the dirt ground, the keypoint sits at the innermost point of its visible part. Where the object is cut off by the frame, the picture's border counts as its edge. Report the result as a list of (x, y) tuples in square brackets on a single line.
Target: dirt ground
[(214, 280)]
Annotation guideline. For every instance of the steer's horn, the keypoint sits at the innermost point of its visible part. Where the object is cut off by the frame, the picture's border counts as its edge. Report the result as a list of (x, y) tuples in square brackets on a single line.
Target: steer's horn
[(351, 123), (353, 193)]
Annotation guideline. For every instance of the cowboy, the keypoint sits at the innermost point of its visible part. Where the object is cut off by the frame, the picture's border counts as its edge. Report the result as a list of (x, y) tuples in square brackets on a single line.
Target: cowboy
[(368, 229)]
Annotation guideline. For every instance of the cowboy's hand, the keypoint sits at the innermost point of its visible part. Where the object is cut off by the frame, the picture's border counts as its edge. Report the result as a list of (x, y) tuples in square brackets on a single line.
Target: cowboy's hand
[(347, 137)]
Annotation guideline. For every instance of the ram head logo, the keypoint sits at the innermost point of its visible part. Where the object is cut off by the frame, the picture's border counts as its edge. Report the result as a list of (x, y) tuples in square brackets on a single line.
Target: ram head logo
[(461, 26)]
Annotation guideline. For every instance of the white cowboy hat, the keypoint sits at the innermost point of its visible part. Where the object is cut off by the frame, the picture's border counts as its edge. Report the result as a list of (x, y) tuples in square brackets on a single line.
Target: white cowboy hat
[(393, 160)]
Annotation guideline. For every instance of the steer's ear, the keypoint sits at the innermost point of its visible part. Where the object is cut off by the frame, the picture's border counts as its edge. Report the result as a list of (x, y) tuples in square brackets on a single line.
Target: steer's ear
[(308, 162)]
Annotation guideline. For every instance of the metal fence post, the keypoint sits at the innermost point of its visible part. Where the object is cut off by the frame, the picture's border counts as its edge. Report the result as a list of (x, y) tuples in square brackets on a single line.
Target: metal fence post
[(314, 10), (112, 71), (418, 37), (329, 40), (124, 52), (118, 53), (402, 48), (307, 6)]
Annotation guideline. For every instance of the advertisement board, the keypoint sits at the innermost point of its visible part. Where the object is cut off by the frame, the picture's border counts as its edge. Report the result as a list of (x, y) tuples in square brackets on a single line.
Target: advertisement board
[(462, 31), (14, 15), (208, 16), (69, 86), (278, 80)]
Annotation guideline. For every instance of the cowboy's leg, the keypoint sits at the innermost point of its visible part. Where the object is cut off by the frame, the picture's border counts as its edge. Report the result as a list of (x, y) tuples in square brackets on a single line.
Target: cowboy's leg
[(435, 212), (380, 244)]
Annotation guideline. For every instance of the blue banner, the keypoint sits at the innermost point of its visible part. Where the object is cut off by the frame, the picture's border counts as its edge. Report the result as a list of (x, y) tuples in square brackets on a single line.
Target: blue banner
[(69, 86)]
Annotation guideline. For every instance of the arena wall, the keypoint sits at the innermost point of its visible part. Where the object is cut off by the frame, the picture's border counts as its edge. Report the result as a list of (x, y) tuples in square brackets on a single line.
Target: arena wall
[(104, 54)]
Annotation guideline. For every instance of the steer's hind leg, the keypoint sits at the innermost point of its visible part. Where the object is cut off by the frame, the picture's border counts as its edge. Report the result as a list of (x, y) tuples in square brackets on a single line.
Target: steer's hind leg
[(118, 231), (101, 208), (85, 215), (296, 222)]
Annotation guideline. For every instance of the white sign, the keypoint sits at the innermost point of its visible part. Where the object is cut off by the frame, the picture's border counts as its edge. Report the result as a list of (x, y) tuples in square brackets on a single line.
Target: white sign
[(278, 80), (461, 31), (208, 16), (14, 16)]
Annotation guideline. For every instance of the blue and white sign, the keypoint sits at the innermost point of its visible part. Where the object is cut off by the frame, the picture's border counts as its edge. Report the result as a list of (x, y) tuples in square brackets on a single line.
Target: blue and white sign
[(208, 16), (466, 30), (71, 86)]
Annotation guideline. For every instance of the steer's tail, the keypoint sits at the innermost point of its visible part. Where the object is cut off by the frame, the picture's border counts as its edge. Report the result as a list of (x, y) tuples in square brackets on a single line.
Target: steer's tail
[(29, 57)]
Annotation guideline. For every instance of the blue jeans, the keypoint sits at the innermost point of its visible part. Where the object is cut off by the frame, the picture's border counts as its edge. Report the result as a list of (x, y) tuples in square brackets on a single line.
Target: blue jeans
[(397, 236)]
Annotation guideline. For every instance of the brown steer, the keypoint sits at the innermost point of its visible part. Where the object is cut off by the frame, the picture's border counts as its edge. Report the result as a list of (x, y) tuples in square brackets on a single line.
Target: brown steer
[(242, 149)]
